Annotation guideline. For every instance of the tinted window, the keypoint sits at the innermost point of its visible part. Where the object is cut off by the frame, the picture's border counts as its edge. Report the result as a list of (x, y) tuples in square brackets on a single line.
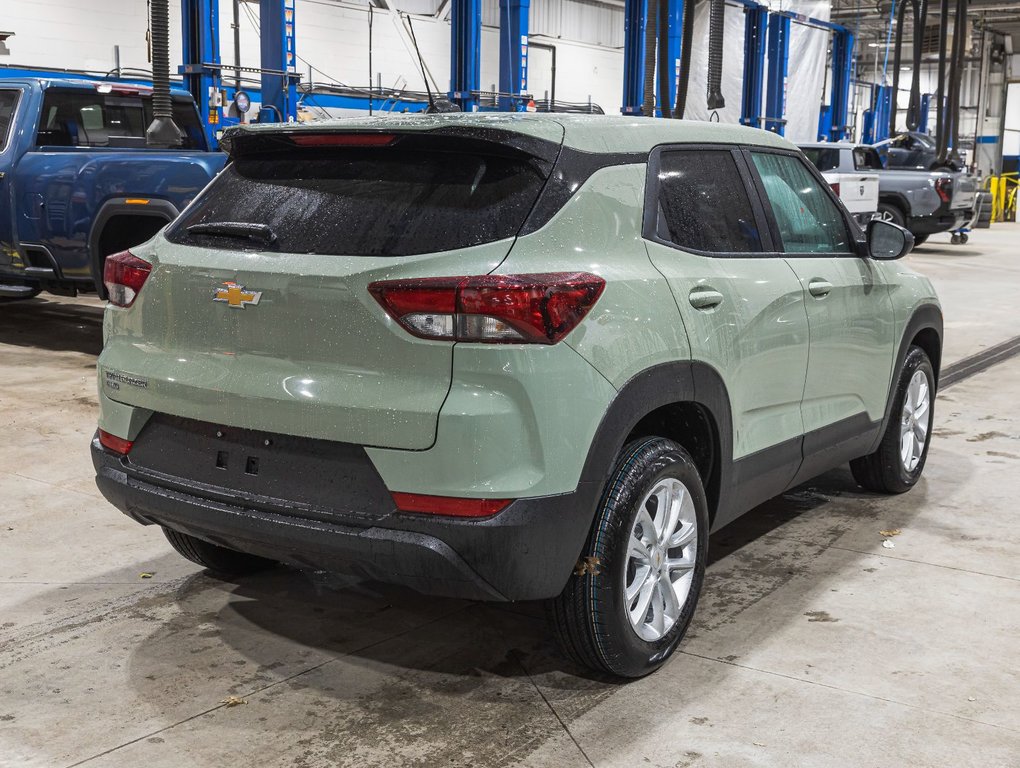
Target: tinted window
[(8, 103), (867, 159), (703, 204), (82, 118), (824, 159), (808, 220), (367, 202)]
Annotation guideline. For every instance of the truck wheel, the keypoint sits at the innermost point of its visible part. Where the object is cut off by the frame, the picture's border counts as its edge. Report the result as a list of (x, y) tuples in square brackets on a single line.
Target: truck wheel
[(633, 593), (897, 464), (891, 213), (221, 560), (920, 240)]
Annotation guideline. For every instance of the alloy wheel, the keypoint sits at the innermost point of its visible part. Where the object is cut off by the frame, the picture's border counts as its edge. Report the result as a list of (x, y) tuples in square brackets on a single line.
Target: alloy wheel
[(914, 421)]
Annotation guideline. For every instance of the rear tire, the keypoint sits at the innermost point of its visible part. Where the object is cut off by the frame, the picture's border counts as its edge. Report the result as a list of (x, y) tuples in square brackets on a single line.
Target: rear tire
[(920, 240), (633, 594), (898, 463), (220, 560), (892, 213)]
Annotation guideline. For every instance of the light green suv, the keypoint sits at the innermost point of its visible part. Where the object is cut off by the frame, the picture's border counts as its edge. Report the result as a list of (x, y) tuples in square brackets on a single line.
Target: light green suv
[(508, 357)]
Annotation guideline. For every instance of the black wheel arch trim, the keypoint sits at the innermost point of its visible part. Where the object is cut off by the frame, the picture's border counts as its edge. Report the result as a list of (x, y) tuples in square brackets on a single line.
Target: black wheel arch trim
[(115, 206)]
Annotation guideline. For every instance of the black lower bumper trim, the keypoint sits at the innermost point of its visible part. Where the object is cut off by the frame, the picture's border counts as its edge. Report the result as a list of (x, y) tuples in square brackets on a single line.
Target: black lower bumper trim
[(526, 552)]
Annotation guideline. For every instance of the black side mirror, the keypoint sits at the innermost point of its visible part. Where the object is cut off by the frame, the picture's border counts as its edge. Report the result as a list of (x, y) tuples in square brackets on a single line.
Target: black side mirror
[(888, 241)]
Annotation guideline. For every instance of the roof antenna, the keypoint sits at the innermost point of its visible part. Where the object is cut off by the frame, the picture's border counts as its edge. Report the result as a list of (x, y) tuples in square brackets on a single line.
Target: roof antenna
[(435, 105)]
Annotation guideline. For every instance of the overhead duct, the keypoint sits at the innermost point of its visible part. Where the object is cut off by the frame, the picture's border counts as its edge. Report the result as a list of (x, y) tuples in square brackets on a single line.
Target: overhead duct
[(920, 12), (648, 104), (684, 77), (717, 9), (664, 95), (162, 132)]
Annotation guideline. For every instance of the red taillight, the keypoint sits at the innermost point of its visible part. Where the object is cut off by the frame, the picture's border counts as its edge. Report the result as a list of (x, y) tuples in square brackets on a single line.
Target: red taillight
[(944, 187), (448, 505), (835, 187), (510, 309), (124, 274), (343, 139), (114, 443)]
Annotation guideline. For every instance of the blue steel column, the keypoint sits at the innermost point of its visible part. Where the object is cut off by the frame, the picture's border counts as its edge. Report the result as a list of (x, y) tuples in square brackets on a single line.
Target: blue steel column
[(465, 52), (778, 54), (201, 47), (513, 53), (842, 74), (922, 125), (635, 17), (876, 119), (279, 91), (756, 20)]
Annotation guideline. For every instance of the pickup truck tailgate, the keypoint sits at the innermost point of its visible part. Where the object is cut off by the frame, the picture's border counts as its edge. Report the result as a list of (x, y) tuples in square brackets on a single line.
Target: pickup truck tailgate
[(858, 191), (965, 188)]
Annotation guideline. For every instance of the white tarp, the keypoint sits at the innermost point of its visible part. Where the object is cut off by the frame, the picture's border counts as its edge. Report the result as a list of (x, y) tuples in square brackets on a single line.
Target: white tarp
[(805, 71)]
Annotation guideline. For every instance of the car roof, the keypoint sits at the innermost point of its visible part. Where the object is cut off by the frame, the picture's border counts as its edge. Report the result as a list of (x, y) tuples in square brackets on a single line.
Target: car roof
[(592, 133), (827, 145), (83, 83)]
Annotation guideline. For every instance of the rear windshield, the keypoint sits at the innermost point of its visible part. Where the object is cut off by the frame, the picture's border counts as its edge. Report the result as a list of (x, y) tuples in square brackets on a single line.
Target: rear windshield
[(822, 158), (82, 118), (366, 201)]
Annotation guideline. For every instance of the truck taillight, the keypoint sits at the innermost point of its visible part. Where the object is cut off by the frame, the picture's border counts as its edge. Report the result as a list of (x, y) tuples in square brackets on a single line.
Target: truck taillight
[(509, 309), (944, 188), (835, 187), (124, 274)]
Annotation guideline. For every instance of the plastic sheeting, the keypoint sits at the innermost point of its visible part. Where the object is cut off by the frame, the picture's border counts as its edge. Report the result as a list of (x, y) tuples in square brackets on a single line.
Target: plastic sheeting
[(805, 73)]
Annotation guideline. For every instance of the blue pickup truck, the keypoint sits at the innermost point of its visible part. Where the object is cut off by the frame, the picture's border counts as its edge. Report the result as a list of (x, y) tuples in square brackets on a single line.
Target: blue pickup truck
[(78, 181)]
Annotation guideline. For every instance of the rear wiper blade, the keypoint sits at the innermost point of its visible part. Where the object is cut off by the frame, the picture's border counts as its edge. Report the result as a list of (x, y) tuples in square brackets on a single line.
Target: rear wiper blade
[(261, 232)]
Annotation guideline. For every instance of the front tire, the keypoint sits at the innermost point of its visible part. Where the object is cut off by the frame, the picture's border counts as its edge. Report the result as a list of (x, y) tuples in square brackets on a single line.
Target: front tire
[(899, 461), (219, 560), (633, 594)]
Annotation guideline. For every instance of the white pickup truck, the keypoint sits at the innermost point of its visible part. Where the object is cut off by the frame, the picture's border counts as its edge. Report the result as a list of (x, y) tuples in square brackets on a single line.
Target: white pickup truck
[(857, 189)]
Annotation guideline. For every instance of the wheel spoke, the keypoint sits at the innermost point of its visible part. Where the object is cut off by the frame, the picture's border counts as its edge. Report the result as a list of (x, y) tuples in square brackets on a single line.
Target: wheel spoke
[(658, 623), (683, 537), (920, 432), (682, 563), (671, 603), (640, 610), (639, 550), (671, 514), (640, 577)]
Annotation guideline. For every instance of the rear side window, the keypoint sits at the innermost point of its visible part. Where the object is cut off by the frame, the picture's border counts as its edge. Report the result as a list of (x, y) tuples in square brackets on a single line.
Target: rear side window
[(823, 158), (83, 118), (703, 204), (366, 201), (808, 220), (8, 103), (867, 159)]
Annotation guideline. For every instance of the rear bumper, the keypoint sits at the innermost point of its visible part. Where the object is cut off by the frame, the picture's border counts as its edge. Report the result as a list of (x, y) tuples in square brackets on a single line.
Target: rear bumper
[(526, 552), (942, 220)]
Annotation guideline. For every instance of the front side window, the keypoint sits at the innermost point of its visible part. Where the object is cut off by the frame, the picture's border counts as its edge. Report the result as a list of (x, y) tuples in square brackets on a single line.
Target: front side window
[(8, 103), (703, 204), (808, 220)]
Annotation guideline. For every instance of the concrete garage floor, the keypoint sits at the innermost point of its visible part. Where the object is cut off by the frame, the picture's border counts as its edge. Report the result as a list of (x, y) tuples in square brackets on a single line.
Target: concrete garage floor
[(813, 644)]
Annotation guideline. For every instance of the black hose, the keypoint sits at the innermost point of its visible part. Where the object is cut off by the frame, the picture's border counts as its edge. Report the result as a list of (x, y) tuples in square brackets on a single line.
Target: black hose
[(684, 78), (956, 74), (914, 108), (648, 104), (940, 105), (664, 64), (897, 57), (160, 35), (162, 131), (716, 19)]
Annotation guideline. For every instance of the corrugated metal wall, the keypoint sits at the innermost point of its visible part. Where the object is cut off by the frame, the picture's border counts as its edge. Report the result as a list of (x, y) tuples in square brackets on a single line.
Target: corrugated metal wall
[(586, 21)]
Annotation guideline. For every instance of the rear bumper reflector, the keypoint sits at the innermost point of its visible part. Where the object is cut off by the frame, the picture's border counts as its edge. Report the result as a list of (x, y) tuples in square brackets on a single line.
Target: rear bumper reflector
[(448, 505)]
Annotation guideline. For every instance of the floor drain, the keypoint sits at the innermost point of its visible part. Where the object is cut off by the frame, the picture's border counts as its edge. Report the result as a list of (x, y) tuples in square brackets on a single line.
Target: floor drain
[(983, 360)]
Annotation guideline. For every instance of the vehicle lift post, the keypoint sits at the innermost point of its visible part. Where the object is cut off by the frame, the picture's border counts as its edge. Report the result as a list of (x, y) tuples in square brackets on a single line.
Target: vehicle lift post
[(513, 54), (778, 56), (465, 52), (279, 81), (201, 53), (756, 19), (876, 119), (635, 18), (842, 76)]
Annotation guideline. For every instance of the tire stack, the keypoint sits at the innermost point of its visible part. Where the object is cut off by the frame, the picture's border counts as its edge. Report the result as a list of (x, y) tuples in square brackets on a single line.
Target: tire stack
[(984, 205)]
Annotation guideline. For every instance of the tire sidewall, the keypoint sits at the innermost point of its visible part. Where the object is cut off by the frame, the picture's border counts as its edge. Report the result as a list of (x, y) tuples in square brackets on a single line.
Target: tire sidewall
[(643, 465), (916, 360)]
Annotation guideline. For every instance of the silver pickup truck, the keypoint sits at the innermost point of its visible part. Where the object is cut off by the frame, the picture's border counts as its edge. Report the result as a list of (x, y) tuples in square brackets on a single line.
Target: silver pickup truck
[(925, 202)]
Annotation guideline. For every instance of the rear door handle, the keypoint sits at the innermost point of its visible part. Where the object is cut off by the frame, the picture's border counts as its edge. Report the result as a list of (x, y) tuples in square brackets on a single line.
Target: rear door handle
[(819, 288), (705, 298)]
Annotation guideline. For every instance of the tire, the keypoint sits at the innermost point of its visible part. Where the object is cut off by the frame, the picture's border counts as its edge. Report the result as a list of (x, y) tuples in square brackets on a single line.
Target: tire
[(920, 240), (955, 239), (964, 237), (591, 618), (892, 213), (220, 560), (886, 470)]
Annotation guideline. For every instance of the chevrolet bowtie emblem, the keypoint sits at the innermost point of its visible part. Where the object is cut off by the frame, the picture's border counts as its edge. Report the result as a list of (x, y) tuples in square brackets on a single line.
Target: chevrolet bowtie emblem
[(236, 296)]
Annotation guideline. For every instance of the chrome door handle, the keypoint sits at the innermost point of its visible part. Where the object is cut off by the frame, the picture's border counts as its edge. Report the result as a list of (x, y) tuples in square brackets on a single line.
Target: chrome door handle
[(819, 288), (705, 298)]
